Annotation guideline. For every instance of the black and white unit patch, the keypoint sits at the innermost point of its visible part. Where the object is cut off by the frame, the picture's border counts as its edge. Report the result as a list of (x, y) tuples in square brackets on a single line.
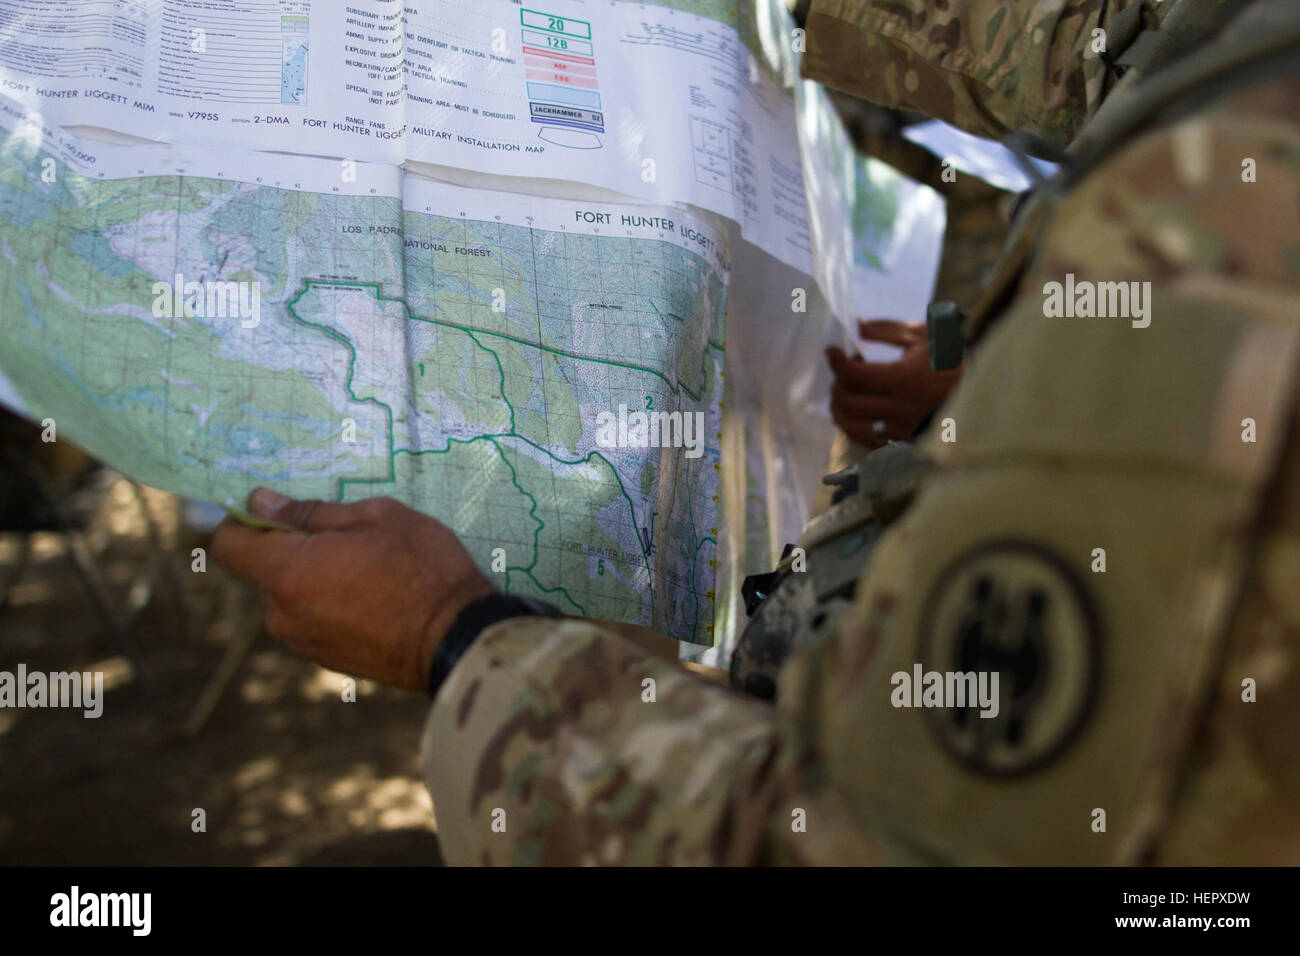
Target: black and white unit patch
[(1014, 609)]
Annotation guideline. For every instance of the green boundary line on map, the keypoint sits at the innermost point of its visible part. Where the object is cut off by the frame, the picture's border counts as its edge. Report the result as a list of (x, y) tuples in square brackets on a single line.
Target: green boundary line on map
[(493, 438)]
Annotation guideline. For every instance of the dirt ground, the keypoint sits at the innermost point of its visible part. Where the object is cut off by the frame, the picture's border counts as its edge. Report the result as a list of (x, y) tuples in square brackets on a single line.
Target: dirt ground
[(285, 770)]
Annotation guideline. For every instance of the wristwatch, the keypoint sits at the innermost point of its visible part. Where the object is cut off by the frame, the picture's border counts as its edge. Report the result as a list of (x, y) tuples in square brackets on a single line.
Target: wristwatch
[(476, 617)]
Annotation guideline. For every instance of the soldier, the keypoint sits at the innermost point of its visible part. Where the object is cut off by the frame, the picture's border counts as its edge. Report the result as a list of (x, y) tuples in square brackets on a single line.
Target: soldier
[(1105, 515)]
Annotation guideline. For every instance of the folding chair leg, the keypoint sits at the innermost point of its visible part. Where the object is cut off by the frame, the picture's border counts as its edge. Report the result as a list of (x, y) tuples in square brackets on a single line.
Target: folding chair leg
[(248, 626), (14, 576), (95, 586)]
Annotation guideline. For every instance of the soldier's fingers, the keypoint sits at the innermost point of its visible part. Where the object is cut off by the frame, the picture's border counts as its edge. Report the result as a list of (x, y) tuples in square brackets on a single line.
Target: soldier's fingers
[(847, 368), (863, 408), (838, 361), (253, 555), (866, 433), (836, 357), (871, 378), (888, 330), (310, 514), (861, 434)]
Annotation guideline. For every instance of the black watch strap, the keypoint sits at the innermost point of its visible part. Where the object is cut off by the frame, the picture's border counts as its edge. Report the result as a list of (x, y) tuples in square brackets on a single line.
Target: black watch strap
[(476, 617)]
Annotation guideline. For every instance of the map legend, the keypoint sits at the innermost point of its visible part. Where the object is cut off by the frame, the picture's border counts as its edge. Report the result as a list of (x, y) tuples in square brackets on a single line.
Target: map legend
[(560, 74)]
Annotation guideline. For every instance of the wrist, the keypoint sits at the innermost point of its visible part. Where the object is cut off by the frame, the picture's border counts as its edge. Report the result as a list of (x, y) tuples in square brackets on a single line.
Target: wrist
[(474, 617), (439, 624)]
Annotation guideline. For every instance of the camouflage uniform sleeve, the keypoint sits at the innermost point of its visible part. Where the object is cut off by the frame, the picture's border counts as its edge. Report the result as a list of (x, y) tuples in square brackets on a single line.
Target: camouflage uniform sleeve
[(987, 66), (558, 742), (547, 745)]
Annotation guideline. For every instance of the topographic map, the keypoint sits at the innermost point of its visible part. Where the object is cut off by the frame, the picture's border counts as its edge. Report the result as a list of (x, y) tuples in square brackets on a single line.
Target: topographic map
[(456, 362), (199, 286)]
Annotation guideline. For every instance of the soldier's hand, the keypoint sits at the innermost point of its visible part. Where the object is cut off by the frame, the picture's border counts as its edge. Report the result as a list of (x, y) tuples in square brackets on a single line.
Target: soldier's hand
[(877, 401), (368, 589)]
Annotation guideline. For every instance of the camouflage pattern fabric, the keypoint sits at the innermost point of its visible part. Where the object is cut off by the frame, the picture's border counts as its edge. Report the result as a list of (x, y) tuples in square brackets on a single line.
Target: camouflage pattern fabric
[(987, 66), (1162, 691), (542, 730), (1081, 433)]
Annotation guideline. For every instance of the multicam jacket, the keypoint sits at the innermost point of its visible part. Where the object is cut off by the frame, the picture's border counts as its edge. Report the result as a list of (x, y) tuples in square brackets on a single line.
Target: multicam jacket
[(1115, 529)]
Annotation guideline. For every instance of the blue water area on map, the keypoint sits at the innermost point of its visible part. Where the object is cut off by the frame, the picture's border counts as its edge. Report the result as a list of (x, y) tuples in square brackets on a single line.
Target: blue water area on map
[(245, 440), (23, 207), (96, 249), (293, 76)]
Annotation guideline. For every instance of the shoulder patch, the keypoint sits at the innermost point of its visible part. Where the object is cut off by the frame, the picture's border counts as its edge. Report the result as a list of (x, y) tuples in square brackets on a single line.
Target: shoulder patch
[(1013, 609)]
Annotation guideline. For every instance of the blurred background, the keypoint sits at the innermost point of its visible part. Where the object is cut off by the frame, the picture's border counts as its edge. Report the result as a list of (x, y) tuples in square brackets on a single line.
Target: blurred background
[(201, 708)]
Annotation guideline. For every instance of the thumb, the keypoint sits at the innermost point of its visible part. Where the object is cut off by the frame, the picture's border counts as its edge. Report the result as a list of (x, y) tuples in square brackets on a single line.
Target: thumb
[(887, 330), (837, 357), (308, 514)]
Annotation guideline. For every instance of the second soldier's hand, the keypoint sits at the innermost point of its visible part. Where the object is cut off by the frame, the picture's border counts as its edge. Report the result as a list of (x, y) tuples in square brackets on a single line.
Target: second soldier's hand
[(898, 394)]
